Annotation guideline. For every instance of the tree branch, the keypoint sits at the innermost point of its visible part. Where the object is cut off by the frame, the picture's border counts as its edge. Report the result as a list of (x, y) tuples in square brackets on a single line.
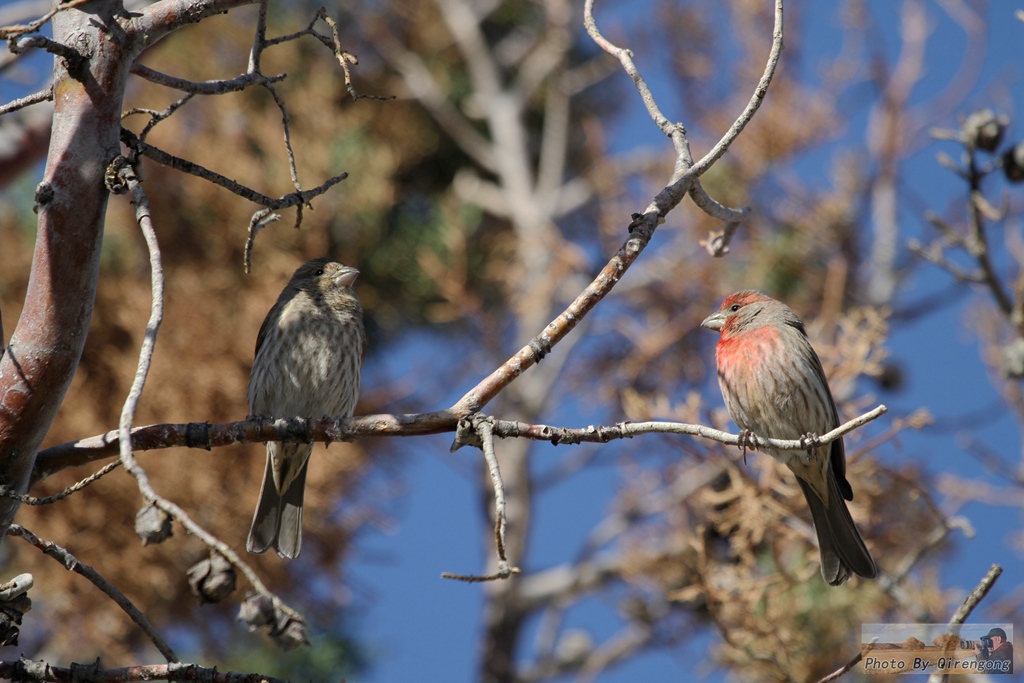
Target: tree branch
[(482, 428), (29, 671), (44, 95), (47, 343), (156, 21), (126, 174), (970, 602), (976, 596), (185, 166), (298, 430), (236, 84), (71, 563)]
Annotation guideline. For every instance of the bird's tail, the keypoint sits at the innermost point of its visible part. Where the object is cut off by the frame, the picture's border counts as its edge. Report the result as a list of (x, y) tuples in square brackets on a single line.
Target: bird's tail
[(277, 523), (842, 549)]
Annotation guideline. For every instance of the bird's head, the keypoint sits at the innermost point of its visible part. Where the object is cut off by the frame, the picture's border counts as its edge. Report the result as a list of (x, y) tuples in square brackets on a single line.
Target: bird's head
[(327, 279), (324, 274), (740, 311)]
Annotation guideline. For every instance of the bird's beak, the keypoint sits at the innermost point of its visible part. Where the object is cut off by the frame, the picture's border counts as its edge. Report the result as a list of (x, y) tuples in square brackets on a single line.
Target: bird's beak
[(714, 321), (347, 277)]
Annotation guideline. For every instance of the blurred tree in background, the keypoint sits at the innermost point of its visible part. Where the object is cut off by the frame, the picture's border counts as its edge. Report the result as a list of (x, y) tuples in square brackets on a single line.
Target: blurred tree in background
[(480, 201)]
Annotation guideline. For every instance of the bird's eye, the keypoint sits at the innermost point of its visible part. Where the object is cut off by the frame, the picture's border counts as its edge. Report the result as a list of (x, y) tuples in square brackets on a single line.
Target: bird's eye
[(735, 307), (319, 271)]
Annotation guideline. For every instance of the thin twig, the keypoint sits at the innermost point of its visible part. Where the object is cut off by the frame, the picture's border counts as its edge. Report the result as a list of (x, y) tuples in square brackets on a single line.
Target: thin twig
[(292, 166), (934, 254), (142, 214), (74, 488), (625, 57), (126, 174), (755, 100), (236, 84), (44, 95), (308, 31), (976, 596), (965, 609), (627, 430), (157, 116), (676, 131), (259, 220), (259, 42), (846, 668), (717, 242), (161, 157), (71, 563), (17, 30), (259, 39), (72, 57), (344, 59), (483, 426), (977, 241)]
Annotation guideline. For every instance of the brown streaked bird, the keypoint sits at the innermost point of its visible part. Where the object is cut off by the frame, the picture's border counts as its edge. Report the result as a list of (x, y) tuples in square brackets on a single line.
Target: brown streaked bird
[(309, 356), (775, 387)]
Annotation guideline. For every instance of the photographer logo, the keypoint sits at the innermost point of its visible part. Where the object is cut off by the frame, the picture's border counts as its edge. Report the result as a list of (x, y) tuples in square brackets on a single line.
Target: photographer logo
[(930, 648)]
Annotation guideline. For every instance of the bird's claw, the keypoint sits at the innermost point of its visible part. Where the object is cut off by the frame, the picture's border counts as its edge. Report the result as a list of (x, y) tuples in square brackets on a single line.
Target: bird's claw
[(811, 443), (747, 440)]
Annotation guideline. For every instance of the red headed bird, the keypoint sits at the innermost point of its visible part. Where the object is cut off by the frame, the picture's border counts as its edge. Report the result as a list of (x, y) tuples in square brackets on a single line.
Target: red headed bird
[(774, 387)]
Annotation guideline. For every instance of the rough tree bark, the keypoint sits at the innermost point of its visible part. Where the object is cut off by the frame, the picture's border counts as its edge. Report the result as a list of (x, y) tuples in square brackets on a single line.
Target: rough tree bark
[(47, 343)]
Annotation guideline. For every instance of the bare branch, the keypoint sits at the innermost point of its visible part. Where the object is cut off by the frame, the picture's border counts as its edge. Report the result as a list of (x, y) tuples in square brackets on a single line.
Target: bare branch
[(9, 32), (625, 57), (976, 596), (74, 488), (344, 58), (124, 173), (298, 430), (717, 242), (206, 435), (162, 18), (44, 95), (425, 88), (970, 602), (179, 164), (755, 100), (974, 241), (482, 427), (236, 84), (70, 55), (934, 254), (977, 241), (157, 116), (627, 430), (127, 175), (846, 668), (286, 127), (259, 40), (30, 671), (73, 564), (260, 220)]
